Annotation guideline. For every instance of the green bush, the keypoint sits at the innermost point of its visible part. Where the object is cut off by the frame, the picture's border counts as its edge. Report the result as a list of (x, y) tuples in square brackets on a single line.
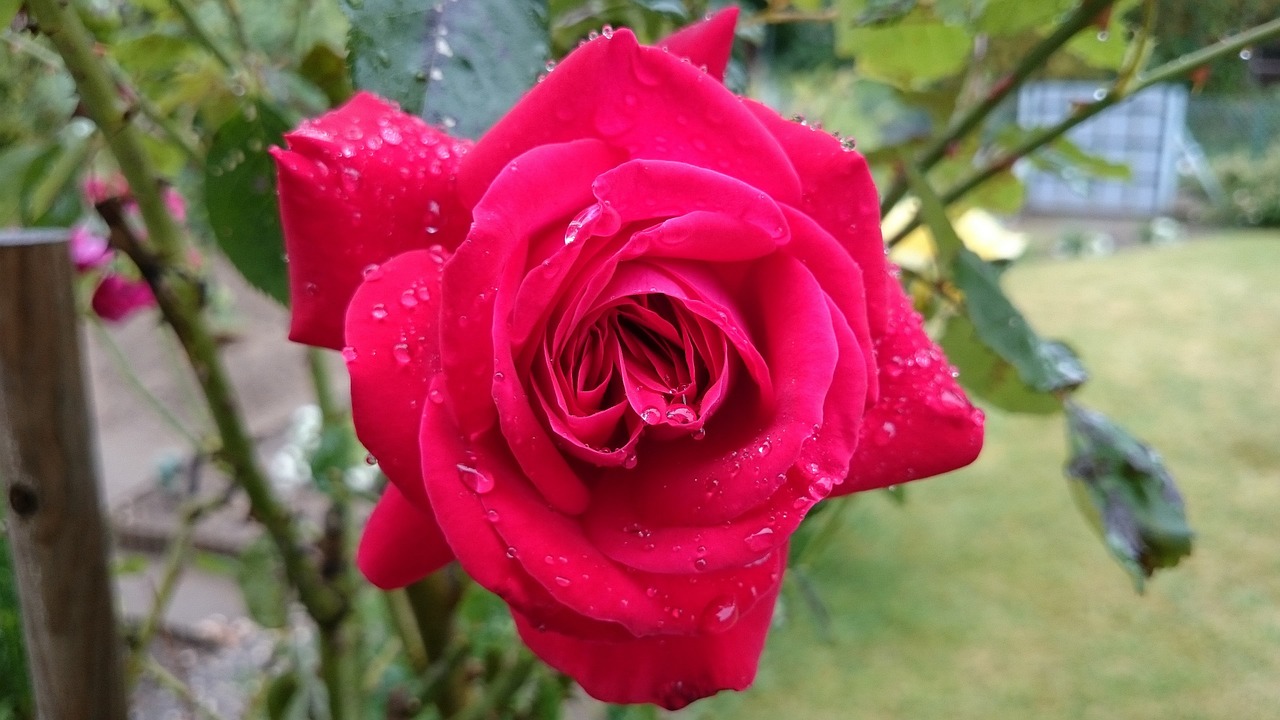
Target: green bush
[(1252, 185), (15, 691)]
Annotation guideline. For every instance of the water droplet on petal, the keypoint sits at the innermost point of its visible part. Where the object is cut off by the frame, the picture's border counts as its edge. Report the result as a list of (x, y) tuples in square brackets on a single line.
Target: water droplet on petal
[(764, 447), (681, 414), (349, 354), (761, 539), (607, 31), (511, 553), (563, 581), (651, 415), (699, 434), (700, 564), (493, 516), (379, 312), (369, 459), (401, 353), (372, 271), (630, 461), (409, 299), (720, 615), (475, 480), (651, 592), (882, 435)]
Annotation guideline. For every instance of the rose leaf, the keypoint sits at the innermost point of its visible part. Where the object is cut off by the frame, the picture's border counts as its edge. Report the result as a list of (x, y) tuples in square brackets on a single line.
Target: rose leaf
[(240, 195)]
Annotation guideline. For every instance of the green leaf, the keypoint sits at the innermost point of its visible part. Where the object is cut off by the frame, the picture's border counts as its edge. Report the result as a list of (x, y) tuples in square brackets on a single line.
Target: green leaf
[(1127, 494), (1064, 157), (884, 11), (240, 194), (8, 11), (459, 64), (261, 579), (482, 55), (1045, 367), (910, 54), (280, 697), (1008, 17), (987, 375), (326, 69)]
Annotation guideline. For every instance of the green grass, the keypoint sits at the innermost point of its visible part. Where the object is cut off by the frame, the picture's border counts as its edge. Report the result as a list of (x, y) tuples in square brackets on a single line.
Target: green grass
[(987, 596)]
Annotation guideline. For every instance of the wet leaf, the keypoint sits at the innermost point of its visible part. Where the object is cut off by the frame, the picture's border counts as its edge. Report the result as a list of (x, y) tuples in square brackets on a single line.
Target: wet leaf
[(240, 194), (459, 64), (987, 375), (909, 54), (991, 320), (1124, 489)]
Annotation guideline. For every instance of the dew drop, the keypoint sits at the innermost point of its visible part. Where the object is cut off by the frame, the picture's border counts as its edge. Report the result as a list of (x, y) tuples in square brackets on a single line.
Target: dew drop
[(629, 462), (475, 480), (349, 354), (372, 271), (499, 377), (607, 32), (761, 539), (700, 434), (379, 312), (563, 581), (720, 615), (700, 564), (511, 552), (493, 516), (651, 592), (1246, 54), (369, 459), (651, 415), (409, 299), (884, 434), (401, 353), (681, 414), (764, 447)]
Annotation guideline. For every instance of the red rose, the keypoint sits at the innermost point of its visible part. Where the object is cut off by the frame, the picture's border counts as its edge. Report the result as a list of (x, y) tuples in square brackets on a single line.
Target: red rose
[(611, 355)]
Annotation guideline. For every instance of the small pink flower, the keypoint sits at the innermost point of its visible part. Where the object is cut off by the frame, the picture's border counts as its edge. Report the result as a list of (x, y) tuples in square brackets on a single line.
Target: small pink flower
[(117, 297), (88, 249)]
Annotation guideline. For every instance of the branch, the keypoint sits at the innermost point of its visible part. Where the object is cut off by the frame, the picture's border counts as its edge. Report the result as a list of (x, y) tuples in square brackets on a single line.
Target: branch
[(1079, 20), (1164, 73), (179, 297)]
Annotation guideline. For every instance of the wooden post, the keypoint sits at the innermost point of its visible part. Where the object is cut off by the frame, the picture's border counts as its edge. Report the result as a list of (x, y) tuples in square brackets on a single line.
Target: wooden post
[(48, 469)]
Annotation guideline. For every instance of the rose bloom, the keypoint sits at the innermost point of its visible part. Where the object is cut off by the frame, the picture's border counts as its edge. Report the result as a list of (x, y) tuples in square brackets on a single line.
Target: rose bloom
[(611, 355)]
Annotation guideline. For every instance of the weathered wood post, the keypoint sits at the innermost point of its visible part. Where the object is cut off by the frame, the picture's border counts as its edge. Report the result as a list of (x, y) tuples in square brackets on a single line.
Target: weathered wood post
[(48, 470)]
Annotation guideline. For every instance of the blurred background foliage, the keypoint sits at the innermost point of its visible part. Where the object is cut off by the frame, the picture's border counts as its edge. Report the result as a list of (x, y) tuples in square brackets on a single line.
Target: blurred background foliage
[(211, 84)]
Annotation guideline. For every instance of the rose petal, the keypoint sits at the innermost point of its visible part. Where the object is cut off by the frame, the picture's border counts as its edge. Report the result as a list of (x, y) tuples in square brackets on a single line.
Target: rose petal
[(839, 194), (118, 297), (480, 286), (644, 101), (392, 352), (358, 186), (923, 424), (707, 43), (671, 671), (401, 543)]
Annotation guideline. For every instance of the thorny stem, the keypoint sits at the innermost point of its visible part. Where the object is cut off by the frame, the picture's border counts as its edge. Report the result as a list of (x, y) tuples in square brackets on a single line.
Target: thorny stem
[(966, 123), (502, 689), (1164, 73), (433, 601)]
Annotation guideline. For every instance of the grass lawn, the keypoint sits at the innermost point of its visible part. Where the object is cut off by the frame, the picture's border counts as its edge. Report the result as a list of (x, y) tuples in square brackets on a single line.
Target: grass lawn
[(987, 596)]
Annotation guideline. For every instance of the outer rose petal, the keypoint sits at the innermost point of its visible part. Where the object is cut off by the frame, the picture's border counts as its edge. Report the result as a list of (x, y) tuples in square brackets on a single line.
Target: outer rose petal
[(671, 671), (393, 350), (358, 186), (838, 193), (644, 101), (707, 43), (923, 424), (401, 543)]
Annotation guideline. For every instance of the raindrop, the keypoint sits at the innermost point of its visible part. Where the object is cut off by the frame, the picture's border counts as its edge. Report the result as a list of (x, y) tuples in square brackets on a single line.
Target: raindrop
[(720, 615), (651, 415), (350, 179), (401, 353), (699, 434), (379, 312), (651, 592), (1103, 36), (349, 354), (563, 581), (409, 299), (1098, 94), (493, 516), (629, 462), (1246, 54), (700, 564), (884, 434), (607, 32), (474, 479), (681, 414), (761, 539), (511, 552), (372, 271), (391, 135), (369, 459), (764, 447), (551, 65)]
